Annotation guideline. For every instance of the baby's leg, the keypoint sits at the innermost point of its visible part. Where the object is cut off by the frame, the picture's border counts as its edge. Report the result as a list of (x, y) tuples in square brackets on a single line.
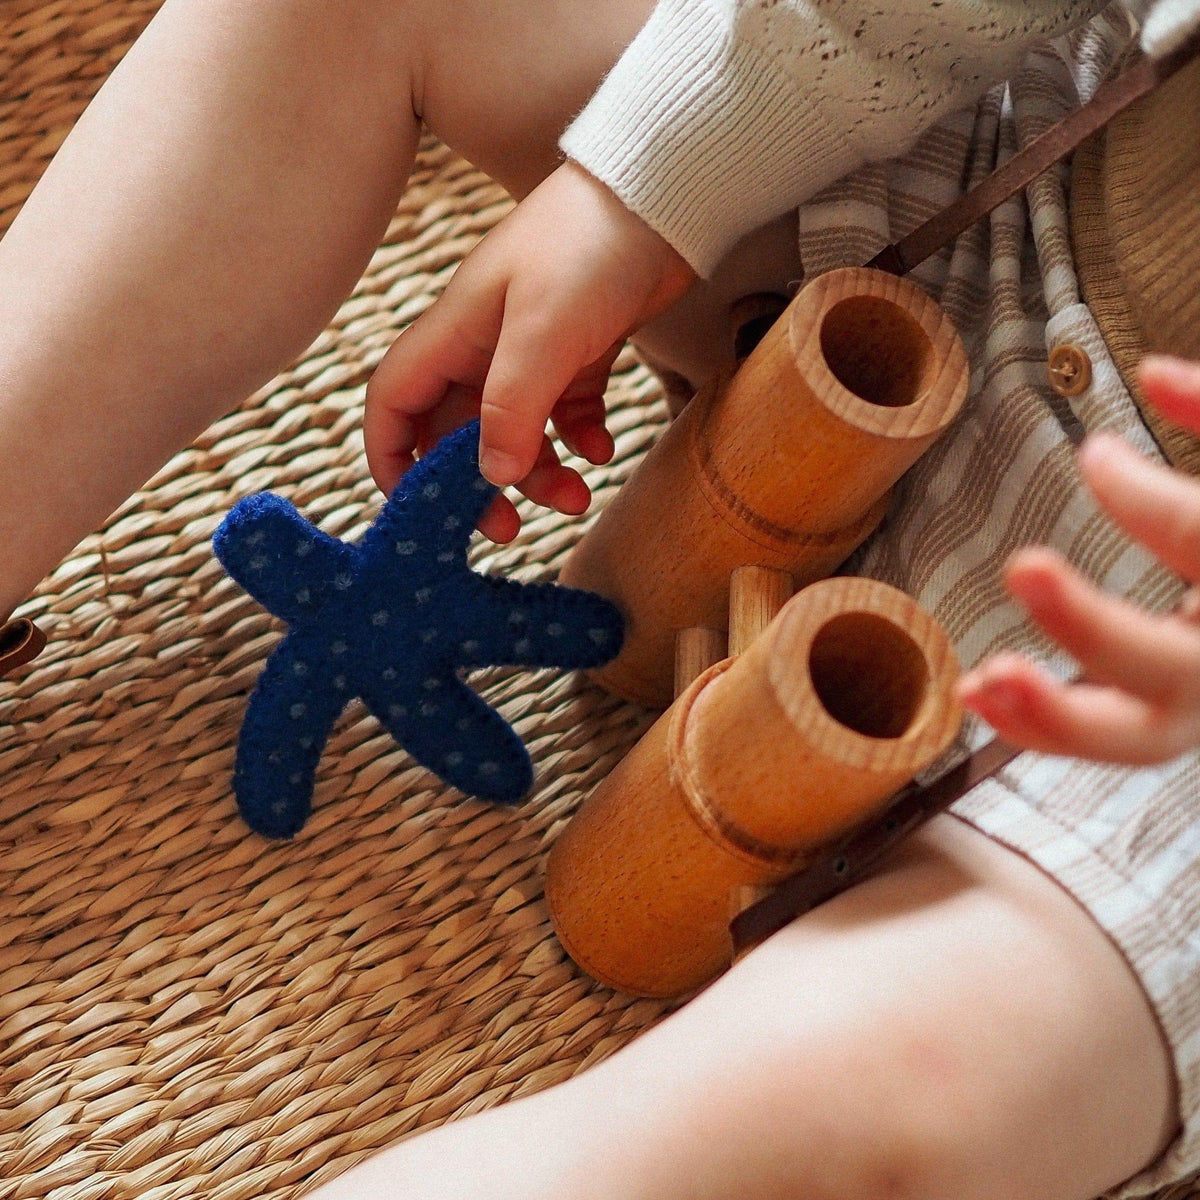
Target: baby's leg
[(199, 227), (220, 198), (954, 1029), (216, 203)]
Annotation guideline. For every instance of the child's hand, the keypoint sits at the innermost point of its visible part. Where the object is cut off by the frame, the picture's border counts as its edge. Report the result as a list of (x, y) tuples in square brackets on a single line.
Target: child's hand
[(1141, 701), (527, 330)]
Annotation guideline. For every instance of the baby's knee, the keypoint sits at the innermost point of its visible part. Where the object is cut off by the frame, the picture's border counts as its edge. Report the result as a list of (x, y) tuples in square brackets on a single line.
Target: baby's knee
[(842, 1083), (869, 1114), (844, 1106)]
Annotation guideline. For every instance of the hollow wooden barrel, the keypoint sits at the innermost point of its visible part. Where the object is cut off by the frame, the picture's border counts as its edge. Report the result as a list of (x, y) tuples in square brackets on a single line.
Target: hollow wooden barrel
[(787, 464), (764, 760)]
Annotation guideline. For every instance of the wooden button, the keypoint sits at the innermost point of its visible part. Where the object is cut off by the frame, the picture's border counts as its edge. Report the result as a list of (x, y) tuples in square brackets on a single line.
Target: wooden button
[(1070, 370)]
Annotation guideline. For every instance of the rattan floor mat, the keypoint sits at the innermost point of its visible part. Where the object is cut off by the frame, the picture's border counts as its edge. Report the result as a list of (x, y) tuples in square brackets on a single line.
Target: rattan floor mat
[(185, 1009)]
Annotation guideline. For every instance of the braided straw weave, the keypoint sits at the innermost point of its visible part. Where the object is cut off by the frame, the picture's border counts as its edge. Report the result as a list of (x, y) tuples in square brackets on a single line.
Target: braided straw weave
[(185, 1009)]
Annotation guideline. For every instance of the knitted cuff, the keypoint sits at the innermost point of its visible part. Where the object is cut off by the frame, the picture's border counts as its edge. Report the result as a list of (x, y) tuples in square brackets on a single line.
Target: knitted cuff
[(705, 135)]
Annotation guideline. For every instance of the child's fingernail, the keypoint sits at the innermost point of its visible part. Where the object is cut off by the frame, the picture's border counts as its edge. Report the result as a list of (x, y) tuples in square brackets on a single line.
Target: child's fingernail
[(970, 685), (976, 688), (499, 468)]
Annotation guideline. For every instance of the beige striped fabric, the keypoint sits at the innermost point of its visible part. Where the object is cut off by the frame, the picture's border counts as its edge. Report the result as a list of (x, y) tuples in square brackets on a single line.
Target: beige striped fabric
[(1126, 843)]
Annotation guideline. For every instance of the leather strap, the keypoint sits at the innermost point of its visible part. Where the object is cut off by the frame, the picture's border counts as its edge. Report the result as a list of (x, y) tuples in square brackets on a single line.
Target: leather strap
[(1036, 159), (855, 856), (20, 642)]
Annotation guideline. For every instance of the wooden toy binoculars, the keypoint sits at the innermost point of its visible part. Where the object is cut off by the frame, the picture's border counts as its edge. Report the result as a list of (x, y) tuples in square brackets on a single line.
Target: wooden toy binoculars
[(774, 753)]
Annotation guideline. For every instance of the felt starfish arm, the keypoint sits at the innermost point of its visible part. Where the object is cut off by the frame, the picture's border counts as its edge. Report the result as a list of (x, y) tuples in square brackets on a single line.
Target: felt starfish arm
[(287, 723), (447, 728), (539, 625), (289, 566), (430, 515)]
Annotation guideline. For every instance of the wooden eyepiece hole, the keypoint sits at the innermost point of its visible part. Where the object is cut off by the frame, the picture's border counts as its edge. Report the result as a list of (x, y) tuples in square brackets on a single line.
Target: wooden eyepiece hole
[(868, 674), (878, 351)]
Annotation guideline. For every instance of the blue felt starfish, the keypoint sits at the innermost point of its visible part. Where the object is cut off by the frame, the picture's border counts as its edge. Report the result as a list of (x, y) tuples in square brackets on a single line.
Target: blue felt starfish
[(394, 620)]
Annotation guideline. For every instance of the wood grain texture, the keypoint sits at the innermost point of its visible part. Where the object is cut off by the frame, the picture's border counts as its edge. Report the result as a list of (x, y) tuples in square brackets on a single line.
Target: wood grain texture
[(695, 651), (763, 761), (756, 594), (787, 465)]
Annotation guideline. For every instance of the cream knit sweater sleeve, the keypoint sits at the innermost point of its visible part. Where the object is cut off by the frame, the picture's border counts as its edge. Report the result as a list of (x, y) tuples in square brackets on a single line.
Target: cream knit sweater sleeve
[(722, 114)]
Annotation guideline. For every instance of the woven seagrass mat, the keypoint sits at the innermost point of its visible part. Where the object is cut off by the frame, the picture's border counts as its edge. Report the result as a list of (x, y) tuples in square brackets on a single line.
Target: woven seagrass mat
[(185, 1009)]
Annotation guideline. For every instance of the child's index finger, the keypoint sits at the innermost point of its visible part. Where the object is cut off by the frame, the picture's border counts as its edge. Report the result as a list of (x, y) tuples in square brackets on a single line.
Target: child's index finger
[(1154, 504), (529, 373), (1172, 385)]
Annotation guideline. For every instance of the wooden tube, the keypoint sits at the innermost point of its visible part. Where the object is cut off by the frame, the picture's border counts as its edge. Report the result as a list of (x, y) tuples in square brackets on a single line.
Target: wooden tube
[(695, 651), (762, 762), (756, 594), (787, 464)]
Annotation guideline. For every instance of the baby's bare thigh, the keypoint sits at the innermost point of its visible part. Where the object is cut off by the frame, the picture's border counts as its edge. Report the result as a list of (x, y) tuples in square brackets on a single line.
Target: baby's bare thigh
[(499, 80), (955, 1028)]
